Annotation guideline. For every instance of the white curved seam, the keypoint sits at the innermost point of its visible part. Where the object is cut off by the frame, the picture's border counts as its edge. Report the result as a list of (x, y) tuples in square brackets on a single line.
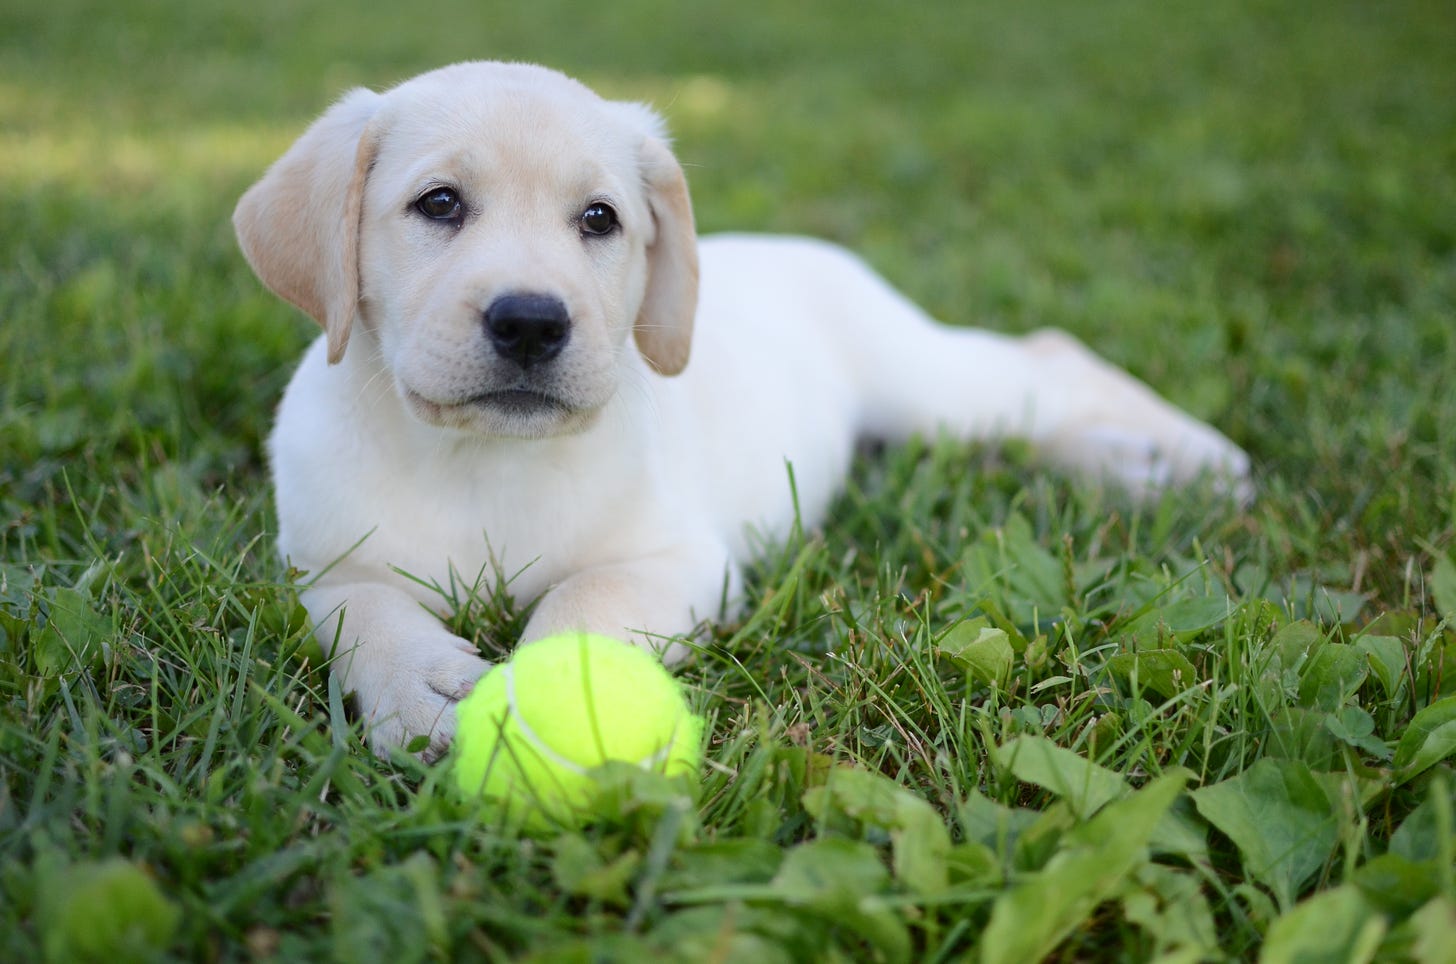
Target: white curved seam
[(530, 734)]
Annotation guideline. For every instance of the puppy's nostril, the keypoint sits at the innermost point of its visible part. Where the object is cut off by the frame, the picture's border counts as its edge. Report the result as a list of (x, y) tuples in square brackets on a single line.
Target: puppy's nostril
[(527, 329)]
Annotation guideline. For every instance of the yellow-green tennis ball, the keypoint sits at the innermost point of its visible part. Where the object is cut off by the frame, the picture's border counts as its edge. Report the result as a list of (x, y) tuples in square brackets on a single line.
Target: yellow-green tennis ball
[(529, 735)]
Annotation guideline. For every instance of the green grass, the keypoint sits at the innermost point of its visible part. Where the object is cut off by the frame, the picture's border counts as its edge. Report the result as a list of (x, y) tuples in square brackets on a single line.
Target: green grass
[(984, 712)]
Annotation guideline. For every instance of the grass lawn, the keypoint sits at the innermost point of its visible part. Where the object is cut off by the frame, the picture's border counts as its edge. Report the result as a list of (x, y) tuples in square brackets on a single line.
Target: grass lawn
[(984, 713)]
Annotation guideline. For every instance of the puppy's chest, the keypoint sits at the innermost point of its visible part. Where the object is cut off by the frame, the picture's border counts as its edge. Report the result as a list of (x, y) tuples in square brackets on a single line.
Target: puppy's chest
[(481, 525)]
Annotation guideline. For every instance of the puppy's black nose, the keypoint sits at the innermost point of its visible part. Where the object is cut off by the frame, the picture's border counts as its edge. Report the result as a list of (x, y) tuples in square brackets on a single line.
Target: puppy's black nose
[(527, 329)]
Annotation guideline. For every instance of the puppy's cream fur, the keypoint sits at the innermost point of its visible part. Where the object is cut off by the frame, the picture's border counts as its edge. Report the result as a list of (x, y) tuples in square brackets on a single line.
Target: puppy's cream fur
[(619, 480)]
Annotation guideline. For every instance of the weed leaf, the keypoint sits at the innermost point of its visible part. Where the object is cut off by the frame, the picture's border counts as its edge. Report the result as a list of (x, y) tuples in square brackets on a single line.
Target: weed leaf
[(1429, 738), (1036, 914), (581, 870), (1397, 884), (1084, 785), (74, 630), (843, 880), (1023, 579), (732, 861), (1166, 672), (984, 821), (1386, 655), (1355, 727), (1337, 926), (1332, 676), (1420, 834), (1171, 907), (984, 652), (1443, 588), (733, 932), (1178, 621), (103, 910), (920, 841), (1433, 929), (1279, 817)]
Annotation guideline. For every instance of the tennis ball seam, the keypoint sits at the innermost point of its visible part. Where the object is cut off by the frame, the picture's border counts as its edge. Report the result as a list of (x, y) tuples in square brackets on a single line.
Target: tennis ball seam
[(548, 751)]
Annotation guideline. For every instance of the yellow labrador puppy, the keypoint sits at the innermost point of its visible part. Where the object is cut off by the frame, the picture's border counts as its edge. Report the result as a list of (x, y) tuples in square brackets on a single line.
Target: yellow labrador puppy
[(531, 365)]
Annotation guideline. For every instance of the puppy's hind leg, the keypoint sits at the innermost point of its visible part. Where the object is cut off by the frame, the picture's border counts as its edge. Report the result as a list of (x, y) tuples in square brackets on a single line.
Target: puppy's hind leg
[(1078, 411)]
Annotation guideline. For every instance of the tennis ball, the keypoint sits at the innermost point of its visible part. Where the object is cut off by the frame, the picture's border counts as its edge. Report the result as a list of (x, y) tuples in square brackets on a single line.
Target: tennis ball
[(529, 735)]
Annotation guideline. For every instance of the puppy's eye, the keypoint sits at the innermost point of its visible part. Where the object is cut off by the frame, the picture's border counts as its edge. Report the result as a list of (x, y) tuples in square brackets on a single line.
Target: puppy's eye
[(599, 219), (440, 204)]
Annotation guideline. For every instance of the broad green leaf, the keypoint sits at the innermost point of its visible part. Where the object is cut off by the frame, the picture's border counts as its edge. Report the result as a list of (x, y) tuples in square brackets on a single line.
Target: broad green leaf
[(1332, 675), (1336, 926), (919, 851), (1420, 834), (1280, 819), (1300, 734), (844, 880), (1429, 738), (1171, 907), (1443, 588), (1178, 621), (1434, 928), (109, 911), (987, 822), (733, 860), (1397, 884), (1023, 579), (395, 913), (1387, 658), (1181, 832), (1293, 644), (581, 871), (733, 933), (1084, 785), (17, 602), (1354, 726), (74, 631), (920, 840), (1352, 788), (1166, 672), (1038, 842), (633, 795), (1038, 912), (984, 652), (973, 864), (829, 869)]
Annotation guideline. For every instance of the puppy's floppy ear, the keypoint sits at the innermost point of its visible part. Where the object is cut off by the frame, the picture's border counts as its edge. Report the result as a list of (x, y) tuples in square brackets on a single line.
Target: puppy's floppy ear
[(664, 329), (299, 225)]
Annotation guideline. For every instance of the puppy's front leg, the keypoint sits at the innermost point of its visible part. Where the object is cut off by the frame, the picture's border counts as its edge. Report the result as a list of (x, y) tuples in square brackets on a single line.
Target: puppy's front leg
[(646, 601), (405, 669)]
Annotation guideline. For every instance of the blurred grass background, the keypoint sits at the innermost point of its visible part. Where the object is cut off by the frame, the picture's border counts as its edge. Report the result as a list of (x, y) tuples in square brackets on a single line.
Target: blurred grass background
[(1250, 204)]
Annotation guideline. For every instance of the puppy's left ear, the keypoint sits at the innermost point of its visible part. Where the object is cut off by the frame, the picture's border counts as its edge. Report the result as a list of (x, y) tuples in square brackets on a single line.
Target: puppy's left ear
[(299, 225), (664, 329)]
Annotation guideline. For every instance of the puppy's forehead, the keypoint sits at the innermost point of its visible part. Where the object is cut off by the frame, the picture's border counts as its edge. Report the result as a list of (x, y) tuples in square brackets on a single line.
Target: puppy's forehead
[(494, 120)]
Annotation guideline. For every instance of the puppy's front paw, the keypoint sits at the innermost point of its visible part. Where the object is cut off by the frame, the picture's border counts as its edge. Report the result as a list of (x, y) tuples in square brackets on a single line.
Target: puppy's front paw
[(413, 695)]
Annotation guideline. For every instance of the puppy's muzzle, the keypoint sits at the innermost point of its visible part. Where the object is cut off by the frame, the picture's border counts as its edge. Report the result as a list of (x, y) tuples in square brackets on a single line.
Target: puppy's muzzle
[(527, 329)]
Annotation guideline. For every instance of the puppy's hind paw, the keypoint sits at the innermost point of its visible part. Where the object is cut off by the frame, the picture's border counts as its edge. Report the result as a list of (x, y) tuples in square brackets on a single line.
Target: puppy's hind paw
[(1146, 466)]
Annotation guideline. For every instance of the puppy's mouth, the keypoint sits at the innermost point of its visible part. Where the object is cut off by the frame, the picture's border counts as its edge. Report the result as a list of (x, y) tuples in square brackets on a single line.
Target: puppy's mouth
[(521, 402), (517, 412)]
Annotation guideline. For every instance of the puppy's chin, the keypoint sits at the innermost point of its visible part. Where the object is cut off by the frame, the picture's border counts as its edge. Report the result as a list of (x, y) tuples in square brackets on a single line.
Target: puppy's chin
[(510, 413)]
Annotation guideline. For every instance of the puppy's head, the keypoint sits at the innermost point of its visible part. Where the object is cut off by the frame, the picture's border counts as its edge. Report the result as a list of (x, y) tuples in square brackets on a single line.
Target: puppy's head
[(500, 236)]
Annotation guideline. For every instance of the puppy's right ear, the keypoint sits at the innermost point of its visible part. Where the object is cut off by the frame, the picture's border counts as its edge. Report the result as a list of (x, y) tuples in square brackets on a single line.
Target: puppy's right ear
[(299, 225)]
